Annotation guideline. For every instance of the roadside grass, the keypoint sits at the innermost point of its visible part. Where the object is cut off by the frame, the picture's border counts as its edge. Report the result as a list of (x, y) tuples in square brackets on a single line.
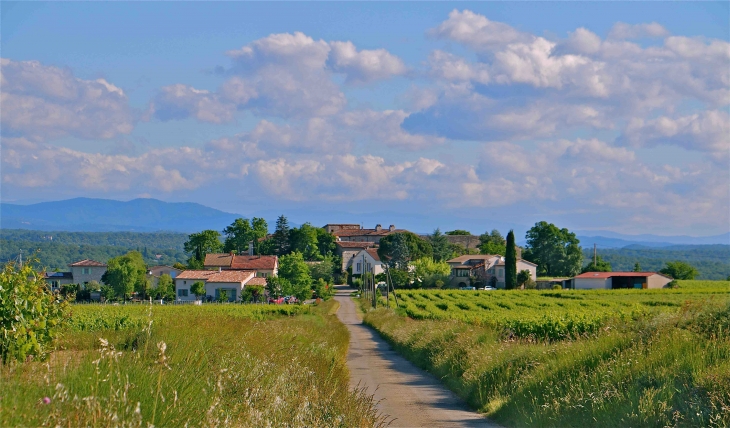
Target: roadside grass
[(665, 365), (215, 365)]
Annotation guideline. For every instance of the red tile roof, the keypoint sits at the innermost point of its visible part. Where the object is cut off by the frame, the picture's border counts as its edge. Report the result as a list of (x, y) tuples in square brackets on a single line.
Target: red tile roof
[(218, 260), (257, 281), (373, 253), (231, 276), (195, 274), (366, 232), (88, 262), (254, 262), (604, 275), (354, 244)]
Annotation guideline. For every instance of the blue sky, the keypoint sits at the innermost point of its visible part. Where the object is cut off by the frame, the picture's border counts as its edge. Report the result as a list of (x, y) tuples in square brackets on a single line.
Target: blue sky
[(610, 115)]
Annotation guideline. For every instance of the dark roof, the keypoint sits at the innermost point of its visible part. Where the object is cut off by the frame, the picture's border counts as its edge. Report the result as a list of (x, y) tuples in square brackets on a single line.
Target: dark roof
[(59, 275), (87, 262), (354, 244)]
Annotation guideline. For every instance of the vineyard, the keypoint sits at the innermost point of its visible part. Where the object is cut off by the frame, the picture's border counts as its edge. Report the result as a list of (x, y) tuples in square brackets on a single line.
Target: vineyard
[(554, 314), (571, 357)]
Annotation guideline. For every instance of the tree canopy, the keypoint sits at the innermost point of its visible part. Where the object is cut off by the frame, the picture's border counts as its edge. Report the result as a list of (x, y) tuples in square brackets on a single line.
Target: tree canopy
[(440, 245), (556, 252), (458, 232), (280, 239), (293, 269), (125, 274), (599, 266), (510, 263), (200, 244), (492, 243), (680, 270), (400, 248), (242, 231)]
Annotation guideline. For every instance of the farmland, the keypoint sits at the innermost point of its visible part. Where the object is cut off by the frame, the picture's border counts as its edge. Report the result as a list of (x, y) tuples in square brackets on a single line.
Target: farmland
[(216, 365), (569, 358)]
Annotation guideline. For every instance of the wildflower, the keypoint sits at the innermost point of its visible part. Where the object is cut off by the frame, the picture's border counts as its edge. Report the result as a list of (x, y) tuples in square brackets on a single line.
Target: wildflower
[(46, 400)]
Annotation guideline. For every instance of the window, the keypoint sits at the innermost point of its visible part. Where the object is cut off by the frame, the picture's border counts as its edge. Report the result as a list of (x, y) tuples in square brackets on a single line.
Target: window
[(500, 272), (358, 267), (368, 267), (85, 271), (185, 283), (462, 272), (182, 292)]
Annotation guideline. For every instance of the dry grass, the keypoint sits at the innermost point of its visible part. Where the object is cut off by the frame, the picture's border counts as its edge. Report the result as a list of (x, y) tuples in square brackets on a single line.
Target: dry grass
[(185, 366)]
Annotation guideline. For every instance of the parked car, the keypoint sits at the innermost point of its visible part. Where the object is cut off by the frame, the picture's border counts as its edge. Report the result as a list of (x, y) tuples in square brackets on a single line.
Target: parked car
[(467, 288), (277, 301), (487, 288), (291, 299)]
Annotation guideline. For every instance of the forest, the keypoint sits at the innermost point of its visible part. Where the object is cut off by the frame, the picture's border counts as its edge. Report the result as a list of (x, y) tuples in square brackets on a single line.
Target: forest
[(712, 261)]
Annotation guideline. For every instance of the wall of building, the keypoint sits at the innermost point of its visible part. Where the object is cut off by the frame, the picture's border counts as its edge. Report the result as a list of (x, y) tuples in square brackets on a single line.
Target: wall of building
[(211, 287), (592, 283), (95, 274), (657, 281)]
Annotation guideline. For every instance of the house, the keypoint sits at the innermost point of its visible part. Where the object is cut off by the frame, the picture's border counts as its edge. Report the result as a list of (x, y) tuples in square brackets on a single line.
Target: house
[(231, 281), (483, 267), (614, 280), (85, 271), (155, 272), (365, 261), (263, 265), (347, 249), (82, 272), (354, 233), (57, 279)]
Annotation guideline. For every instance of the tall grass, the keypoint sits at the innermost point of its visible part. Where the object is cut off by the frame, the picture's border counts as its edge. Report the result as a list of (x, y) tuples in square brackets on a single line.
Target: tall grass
[(669, 366), (227, 365)]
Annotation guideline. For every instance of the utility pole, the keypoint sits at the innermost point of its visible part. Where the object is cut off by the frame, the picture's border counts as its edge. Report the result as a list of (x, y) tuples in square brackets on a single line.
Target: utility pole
[(594, 255)]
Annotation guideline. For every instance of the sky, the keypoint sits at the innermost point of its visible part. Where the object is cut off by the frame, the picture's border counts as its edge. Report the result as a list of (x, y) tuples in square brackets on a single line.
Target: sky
[(590, 115)]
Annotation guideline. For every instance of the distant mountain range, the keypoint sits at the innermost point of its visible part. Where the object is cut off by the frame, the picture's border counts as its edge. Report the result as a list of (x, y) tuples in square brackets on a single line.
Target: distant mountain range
[(152, 215), (104, 215)]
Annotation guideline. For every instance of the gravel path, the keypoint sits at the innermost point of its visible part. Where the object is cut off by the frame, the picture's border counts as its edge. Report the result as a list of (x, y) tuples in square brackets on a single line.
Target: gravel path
[(410, 396)]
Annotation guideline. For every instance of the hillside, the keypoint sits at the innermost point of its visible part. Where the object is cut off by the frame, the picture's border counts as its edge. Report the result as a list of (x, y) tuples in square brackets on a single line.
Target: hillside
[(712, 261), (103, 215)]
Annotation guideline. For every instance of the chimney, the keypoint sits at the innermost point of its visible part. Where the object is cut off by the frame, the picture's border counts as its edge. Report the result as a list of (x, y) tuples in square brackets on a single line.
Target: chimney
[(220, 269), (250, 248), (378, 228), (392, 227)]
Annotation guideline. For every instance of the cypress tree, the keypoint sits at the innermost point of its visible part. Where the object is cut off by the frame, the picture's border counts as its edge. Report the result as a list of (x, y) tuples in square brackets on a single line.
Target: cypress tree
[(510, 263)]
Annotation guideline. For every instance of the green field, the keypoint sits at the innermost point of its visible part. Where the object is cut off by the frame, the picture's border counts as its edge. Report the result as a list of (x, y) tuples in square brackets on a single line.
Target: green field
[(574, 358), (213, 365)]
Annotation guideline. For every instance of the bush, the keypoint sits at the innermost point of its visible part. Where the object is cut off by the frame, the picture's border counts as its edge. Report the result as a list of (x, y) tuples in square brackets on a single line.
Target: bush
[(530, 284), (30, 314), (557, 287)]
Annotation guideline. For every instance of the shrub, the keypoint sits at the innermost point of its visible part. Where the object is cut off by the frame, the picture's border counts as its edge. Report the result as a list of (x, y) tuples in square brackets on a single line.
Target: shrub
[(557, 287), (530, 284), (29, 313)]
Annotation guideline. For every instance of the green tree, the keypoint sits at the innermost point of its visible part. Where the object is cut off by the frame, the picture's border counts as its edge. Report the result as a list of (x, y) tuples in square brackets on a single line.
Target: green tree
[(556, 251), (427, 272), (165, 289), (458, 232), (440, 245), (198, 289), (180, 266), (401, 278), (30, 315), (222, 296), (323, 270), (400, 248), (108, 293), (252, 293), (325, 242), (510, 263), (241, 232), (523, 277), (599, 266), (281, 236), (680, 270), (304, 240), (637, 267), (492, 243), (293, 268), (126, 273), (200, 244), (277, 286)]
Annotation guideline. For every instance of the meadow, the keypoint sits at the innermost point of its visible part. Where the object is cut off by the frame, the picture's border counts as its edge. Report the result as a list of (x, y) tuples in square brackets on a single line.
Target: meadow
[(574, 358), (213, 365)]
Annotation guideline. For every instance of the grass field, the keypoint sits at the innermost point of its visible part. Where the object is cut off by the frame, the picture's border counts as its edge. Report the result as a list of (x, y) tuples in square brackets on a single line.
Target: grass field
[(213, 365), (574, 358)]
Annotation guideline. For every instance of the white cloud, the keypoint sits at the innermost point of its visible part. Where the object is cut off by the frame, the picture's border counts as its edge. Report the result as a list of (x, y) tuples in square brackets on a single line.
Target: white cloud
[(708, 131), (366, 65), (41, 102), (622, 30), (385, 127), (180, 101), (478, 32)]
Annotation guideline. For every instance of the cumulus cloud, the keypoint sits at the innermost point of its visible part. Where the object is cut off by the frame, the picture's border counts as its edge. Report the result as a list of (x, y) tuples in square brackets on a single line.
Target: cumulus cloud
[(385, 127), (364, 66), (708, 131), (478, 32), (622, 30), (41, 102)]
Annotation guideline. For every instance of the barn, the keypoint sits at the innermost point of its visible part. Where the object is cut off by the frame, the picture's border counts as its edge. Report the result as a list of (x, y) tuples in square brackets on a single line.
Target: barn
[(615, 280)]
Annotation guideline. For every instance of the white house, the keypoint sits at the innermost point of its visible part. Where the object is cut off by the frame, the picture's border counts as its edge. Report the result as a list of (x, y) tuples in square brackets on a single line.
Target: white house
[(614, 280), (231, 281), (365, 261)]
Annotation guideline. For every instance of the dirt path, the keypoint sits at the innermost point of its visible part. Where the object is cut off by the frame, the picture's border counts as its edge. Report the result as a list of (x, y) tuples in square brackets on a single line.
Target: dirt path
[(409, 395)]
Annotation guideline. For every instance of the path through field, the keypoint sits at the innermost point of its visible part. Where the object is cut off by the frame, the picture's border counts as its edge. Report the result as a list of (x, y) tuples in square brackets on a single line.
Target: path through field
[(409, 395)]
